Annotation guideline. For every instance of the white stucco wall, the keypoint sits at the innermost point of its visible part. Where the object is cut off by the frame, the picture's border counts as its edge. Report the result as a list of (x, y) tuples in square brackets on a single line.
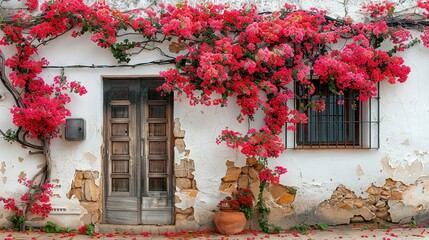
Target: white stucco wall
[(404, 135)]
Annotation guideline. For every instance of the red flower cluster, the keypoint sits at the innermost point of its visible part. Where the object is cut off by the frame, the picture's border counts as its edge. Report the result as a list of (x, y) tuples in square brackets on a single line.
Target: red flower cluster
[(82, 230), (379, 9), (272, 176), (241, 200), (9, 204), (38, 198), (425, 36), (267, 54), (261, 143), (89, 229), (359, 67), (44, 106)]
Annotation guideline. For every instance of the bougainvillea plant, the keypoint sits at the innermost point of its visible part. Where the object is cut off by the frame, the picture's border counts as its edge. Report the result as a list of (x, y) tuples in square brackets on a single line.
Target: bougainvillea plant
[(87, 229), (268, 176), (36, 201), (241, 200), (223, 54)]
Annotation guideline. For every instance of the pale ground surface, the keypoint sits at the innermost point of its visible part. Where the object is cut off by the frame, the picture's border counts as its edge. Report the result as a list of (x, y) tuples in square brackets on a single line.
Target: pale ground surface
[(333, 233)]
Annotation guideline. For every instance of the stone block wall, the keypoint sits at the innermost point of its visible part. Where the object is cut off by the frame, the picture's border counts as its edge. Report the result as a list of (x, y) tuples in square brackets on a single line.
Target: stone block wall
[(345, 207), (88, 192), (185, 186), (279, 198)]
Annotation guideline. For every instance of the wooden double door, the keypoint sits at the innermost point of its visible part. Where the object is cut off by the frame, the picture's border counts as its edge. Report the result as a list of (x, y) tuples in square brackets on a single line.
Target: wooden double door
[(138, 153)]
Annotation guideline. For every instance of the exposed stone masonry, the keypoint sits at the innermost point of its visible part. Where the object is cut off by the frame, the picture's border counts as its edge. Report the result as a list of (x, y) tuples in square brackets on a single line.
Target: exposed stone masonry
[(185, 184), (179, 135), (88, 193), (184, 177), (278, 197), (345, 207)]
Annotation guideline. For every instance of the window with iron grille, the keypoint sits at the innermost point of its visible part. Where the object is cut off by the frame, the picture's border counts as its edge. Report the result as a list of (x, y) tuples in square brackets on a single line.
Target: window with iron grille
[(345, 122)]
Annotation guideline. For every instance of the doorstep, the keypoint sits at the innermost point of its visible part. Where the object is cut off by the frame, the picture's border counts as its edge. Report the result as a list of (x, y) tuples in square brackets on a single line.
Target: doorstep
[(136, 229)]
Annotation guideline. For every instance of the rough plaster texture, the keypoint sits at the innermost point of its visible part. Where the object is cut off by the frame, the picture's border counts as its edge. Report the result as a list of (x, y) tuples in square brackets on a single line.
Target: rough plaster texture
[(402, 156)]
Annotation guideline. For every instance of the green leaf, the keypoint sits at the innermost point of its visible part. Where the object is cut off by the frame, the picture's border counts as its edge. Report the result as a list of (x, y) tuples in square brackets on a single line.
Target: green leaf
[(52, 227), (391, 10), (323, 226), (302, 229), (10, 135), (90, 230), (292, 190), (332, 86)]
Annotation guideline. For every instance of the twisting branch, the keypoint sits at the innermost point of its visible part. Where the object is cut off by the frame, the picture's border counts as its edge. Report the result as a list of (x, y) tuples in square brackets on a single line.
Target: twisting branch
[(152, 49), (17, 138), (35, 153), (157, 62), (55, 37), (406, 23), (28, 144), (39, 173), (15, 94), (346, 9)]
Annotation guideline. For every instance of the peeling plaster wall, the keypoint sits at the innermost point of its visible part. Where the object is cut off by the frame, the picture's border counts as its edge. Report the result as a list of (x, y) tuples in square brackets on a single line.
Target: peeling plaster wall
[(403, 154)]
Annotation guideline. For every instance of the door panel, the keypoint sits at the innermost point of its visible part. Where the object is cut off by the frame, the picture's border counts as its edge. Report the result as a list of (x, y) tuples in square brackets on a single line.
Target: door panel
[(121, 210), (121, 201), (157, 196), (138, 163)]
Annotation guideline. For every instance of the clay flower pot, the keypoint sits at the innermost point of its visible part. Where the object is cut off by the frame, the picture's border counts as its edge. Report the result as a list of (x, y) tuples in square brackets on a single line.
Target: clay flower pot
[(229, 221)]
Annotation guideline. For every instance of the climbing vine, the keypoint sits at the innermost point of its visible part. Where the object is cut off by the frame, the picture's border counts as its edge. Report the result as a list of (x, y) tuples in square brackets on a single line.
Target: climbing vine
[(220, 55)]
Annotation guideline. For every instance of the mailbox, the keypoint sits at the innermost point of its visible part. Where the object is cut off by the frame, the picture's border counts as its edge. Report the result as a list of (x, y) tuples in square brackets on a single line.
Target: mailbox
[(75, 129)]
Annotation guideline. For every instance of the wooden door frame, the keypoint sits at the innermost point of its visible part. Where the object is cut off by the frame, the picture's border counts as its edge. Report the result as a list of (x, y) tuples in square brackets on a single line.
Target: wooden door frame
[(140, 163)]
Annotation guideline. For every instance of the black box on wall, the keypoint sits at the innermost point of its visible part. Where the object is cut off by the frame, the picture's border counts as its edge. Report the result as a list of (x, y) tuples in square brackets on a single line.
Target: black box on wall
[(75, 129)]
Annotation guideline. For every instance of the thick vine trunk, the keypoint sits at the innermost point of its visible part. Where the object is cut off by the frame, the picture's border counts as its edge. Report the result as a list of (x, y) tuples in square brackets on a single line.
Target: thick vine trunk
[(44, 174), (48, 160)]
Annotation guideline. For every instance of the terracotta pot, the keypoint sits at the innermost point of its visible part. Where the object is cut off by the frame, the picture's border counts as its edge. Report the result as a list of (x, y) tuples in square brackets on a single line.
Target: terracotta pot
[(229, 221)]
